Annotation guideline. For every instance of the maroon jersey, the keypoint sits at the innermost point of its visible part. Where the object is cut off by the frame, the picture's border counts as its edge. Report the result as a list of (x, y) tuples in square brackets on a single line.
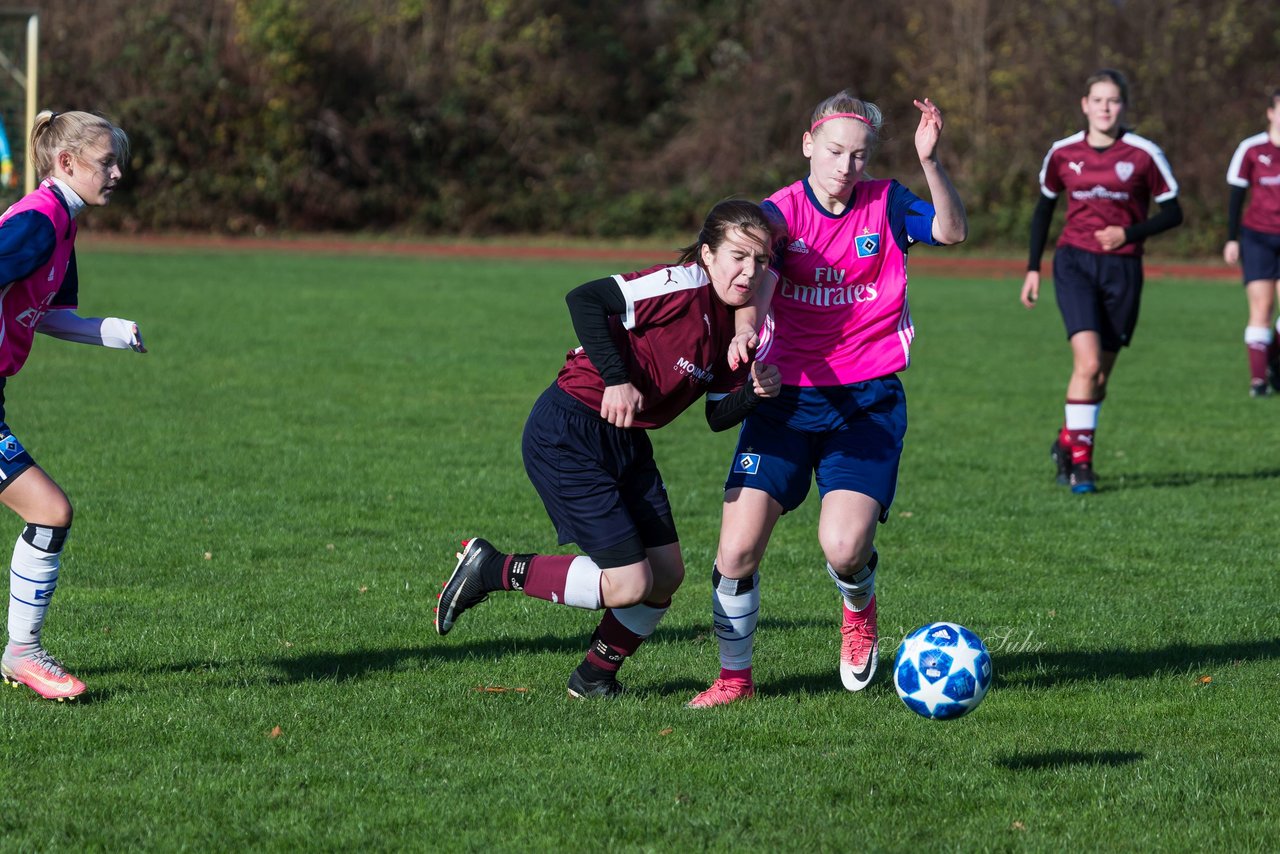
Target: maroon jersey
[(1114, 186), (1256, 167), (674, 338)]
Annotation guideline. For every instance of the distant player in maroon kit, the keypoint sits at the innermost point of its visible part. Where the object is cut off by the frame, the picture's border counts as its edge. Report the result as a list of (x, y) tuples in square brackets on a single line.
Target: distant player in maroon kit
[(1110, 176), (1255, 244), (652, 343)]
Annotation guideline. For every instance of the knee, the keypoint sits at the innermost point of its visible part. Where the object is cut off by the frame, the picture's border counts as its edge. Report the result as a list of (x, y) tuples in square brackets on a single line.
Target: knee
[(57, 515), (666, 581), (1090, 370), (737, 559), (847, 553), (629, 586)]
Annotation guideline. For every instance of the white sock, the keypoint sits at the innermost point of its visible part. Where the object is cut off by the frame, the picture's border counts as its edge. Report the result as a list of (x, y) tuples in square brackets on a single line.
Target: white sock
[(33, 576), (641, 620), (735, 609), (858, 588), (1082, 416), (1258, 336), (582, 584)]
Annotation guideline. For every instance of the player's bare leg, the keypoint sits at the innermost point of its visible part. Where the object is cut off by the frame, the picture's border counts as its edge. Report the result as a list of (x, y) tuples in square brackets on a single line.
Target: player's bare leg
[(1091, 368), (846, 531), (1260, 337), (747, 521), (33, 577), (637, 597)]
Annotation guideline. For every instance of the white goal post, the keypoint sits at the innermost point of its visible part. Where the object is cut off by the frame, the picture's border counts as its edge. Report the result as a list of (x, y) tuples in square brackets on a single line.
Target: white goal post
[(19, 60)]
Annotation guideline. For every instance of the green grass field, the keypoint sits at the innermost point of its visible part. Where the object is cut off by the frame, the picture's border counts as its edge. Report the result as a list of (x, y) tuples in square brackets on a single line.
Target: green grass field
[(268, 502)]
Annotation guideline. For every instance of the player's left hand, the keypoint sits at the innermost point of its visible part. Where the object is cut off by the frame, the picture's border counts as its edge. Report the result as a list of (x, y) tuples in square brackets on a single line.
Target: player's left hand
[(929, 131), (1110, 238), (121, 334), (766, 380), (742, 348), (135, 342)]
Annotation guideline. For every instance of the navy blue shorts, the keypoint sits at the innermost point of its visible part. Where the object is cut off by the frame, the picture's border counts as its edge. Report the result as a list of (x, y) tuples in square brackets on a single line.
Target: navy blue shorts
[(1259, 255), (1099, 293), (848, 437), (599, 483), (14, 459)]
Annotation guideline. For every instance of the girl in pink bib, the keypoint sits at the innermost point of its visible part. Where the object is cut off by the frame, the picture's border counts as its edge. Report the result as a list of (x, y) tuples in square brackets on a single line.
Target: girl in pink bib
[(78, 157), (839, 330)]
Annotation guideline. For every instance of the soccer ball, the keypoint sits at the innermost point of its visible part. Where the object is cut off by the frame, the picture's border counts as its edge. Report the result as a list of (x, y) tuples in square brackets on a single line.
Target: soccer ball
[(942, 671)]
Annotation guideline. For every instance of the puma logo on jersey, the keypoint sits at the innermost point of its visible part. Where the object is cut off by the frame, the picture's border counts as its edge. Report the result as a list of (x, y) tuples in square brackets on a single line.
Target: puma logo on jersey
[(1076, 167), (707, 321), (50, 279)]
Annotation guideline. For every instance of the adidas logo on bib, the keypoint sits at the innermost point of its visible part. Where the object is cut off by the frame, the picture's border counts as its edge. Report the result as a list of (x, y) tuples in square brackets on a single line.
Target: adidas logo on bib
[(798, 247)]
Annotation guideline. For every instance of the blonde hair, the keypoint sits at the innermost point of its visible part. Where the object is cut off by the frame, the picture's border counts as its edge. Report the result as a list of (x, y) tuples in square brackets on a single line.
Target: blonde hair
[(74, 131), (844, 103)]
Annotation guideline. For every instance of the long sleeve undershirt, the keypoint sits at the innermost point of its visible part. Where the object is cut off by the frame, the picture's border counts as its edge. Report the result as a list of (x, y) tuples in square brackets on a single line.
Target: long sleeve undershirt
[(591, 305), (1235, 206)]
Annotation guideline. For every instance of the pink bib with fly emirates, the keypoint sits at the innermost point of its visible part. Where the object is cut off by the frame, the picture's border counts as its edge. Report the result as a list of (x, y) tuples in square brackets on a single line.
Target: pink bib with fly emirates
[(839, 313), (24, 301)]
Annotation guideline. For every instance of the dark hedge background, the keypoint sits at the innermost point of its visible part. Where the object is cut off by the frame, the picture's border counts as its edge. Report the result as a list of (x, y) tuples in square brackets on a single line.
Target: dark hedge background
[(609, 119)]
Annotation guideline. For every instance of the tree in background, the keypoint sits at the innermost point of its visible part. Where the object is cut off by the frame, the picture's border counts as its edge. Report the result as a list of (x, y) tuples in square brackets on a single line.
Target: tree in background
[(573, 117)]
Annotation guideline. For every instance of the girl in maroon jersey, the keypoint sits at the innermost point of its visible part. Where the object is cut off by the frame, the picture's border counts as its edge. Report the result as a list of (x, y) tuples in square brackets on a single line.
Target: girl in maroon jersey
[(653, 342), (1110, 176), (1254, 243)]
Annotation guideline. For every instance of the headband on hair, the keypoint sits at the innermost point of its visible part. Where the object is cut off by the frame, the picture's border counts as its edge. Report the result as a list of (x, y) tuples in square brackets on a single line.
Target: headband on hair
[(866, 121)]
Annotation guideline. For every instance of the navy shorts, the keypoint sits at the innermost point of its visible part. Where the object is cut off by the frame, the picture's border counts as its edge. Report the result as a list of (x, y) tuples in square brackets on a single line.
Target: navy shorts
[(14, 459), (1259, 255), (599, 483), (1098, 292), (848, 437)]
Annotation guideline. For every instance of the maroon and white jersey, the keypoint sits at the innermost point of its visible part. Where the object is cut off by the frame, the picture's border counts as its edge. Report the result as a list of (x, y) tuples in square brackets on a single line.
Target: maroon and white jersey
[(1256, 167), (1114, 186), (674, 338)]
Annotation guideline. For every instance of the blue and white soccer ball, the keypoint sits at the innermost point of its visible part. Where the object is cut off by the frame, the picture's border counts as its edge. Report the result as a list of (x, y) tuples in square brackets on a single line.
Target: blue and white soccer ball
[(942, 671)]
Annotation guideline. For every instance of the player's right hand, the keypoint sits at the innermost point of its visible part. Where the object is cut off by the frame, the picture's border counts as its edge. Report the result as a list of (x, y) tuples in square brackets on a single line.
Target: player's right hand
[(620, 404), (1031, 289), (1231, 252), (742, 348)]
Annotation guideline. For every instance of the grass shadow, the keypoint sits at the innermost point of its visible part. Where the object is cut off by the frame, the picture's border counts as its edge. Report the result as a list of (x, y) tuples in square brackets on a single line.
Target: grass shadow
[(343, 666), (1051, 760), (1168, 480), (1057, 667)]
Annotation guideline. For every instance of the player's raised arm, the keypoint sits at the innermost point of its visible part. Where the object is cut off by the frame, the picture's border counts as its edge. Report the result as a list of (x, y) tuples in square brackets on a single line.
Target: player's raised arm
[(950, 223)]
